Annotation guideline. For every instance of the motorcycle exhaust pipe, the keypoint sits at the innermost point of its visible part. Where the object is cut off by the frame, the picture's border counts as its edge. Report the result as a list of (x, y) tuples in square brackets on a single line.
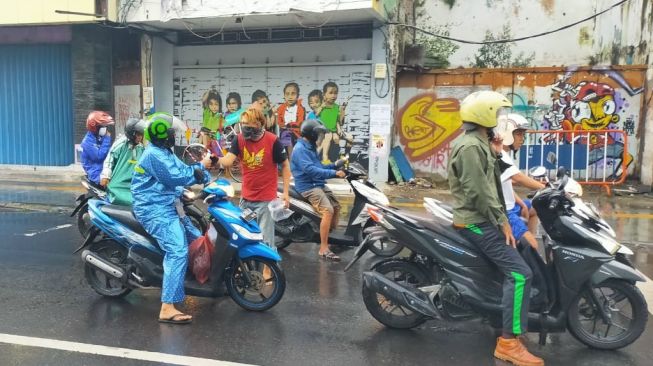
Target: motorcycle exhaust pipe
[(103, 265), (413, 299)]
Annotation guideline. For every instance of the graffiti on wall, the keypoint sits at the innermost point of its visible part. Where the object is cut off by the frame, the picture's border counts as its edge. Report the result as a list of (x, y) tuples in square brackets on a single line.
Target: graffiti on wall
[(575, 99), (590, 105), (426, 124)]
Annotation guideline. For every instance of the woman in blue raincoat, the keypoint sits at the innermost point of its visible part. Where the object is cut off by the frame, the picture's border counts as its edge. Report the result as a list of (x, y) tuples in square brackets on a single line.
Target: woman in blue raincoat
[(157, 185)]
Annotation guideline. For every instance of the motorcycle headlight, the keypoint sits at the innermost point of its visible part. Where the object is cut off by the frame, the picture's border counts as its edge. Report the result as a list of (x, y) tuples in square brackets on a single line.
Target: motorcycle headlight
[(246, 233)]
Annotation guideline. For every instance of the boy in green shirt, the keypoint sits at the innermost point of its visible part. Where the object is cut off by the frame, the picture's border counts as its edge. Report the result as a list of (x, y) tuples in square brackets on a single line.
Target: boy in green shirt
[(332, 117)]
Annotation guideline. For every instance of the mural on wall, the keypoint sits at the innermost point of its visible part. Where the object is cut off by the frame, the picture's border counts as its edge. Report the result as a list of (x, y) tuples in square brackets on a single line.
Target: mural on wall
[(197, 99), (573, 99), (590, 105), (426, 124)]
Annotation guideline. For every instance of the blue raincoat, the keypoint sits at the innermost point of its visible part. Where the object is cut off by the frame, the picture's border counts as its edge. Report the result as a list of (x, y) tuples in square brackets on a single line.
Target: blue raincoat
[(94, 150), (157, 184)]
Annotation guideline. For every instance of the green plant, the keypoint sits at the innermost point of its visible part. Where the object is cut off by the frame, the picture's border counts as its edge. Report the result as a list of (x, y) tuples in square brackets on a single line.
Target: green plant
[(451, 3), (437, 50), (495, 55)]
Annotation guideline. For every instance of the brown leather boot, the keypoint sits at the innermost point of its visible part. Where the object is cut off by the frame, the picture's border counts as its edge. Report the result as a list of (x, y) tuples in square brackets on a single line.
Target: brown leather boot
[(513, 351)]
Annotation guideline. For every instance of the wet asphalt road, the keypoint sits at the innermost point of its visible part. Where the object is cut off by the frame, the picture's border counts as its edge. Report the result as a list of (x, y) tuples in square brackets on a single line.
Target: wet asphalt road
[(320, 321)]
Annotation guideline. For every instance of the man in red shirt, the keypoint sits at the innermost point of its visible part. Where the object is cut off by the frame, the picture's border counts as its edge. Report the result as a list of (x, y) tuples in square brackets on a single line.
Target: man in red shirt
[(260, 152)]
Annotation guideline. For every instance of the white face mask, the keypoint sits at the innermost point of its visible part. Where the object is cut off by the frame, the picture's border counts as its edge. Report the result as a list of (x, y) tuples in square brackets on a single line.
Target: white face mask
[(102, 131)]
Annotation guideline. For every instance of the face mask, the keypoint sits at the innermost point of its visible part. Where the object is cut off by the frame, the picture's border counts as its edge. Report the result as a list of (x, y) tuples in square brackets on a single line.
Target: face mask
[(252, 133), (102, 131)]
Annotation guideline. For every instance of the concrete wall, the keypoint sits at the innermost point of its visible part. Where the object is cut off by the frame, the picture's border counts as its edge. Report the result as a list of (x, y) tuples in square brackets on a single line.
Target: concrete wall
[(165, 10), (620, 36), (550, 98)]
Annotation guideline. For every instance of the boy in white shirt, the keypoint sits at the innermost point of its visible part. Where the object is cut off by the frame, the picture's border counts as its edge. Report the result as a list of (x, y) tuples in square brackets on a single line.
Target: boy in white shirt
[(510, 137)]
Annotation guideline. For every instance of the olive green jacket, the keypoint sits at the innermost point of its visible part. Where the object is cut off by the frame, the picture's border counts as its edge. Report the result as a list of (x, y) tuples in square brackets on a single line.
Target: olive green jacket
[(475, 181)]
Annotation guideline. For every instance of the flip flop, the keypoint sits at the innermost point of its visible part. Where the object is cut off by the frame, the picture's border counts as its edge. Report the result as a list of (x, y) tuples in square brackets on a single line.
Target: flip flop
[(330, 256), (174, 319)]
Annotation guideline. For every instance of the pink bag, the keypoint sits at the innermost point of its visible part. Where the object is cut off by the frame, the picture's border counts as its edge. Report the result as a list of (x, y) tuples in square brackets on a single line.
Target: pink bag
[(200, 253)]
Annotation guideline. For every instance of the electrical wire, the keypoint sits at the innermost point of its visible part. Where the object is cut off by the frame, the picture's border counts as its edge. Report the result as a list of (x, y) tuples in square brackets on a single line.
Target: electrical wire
[(512, 39), (328, 19), (387, 70), (201, 36), (242, 25)]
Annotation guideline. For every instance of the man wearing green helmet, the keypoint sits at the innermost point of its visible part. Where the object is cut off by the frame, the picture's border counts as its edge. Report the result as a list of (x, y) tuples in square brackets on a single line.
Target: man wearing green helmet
[(480, 216), (156, 189)]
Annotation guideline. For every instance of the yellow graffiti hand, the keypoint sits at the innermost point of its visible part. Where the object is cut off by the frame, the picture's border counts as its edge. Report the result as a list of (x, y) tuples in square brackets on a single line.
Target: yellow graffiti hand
[(427, 123)]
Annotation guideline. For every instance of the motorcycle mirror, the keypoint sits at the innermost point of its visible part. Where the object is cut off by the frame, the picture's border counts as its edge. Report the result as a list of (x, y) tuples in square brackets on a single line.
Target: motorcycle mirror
[(537, 172), (561, 172)]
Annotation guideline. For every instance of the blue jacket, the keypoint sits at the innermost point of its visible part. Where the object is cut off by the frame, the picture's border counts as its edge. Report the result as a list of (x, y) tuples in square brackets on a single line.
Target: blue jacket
[(158, 180), (94, 150), (307, 169)]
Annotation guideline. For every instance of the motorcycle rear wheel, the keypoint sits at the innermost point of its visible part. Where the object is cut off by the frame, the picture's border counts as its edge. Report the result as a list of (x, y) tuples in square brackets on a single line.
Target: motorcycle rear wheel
[(616, 297), (383, 309), (258, 294), (101, 282)]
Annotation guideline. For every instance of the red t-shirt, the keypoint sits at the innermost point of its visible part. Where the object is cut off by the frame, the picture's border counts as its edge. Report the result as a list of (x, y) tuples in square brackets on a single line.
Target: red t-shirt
[(258, 161)]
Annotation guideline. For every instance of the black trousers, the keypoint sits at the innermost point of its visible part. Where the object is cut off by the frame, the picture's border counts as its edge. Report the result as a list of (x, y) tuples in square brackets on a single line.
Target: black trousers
[(518, 275)]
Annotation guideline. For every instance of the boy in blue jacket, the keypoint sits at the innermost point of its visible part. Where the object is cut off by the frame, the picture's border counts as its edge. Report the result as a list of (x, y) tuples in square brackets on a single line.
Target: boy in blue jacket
[(310, 181), (96, 144)]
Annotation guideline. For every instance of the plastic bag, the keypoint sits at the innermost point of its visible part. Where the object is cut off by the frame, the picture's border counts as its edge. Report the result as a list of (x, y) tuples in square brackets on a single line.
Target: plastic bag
[(200, 253), (278, 211)]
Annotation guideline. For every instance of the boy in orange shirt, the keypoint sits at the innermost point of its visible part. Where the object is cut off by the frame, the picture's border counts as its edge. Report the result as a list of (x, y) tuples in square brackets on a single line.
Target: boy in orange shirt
[(290, 116)]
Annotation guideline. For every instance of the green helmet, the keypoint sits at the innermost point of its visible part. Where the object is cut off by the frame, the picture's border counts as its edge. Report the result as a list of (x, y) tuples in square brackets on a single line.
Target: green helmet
[(162, 128)]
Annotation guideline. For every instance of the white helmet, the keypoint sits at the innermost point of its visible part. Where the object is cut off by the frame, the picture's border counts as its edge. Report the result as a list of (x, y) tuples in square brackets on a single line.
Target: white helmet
[(509, 123)]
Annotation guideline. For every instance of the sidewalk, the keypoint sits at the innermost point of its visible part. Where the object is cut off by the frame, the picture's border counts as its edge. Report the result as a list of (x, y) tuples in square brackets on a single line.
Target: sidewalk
[(59, 186)]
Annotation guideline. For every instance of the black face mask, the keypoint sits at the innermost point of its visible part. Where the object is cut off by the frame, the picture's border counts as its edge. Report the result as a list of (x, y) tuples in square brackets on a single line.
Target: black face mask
[(252, 133)]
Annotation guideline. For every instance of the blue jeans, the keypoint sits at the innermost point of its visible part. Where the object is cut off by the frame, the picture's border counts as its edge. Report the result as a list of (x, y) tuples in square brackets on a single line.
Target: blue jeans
[(264, 219)]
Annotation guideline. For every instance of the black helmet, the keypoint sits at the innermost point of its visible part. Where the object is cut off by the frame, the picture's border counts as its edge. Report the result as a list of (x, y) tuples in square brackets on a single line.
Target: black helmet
[(134, 126), (162, 129), (312, 129)]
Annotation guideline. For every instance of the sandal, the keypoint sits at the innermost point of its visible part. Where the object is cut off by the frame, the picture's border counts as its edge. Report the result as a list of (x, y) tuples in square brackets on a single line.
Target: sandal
[(330, 256), (175, 319)]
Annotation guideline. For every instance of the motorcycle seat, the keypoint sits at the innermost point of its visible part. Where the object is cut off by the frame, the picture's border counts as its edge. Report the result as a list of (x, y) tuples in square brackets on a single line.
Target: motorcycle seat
[(430, 223), (125, 216), (292, 192)]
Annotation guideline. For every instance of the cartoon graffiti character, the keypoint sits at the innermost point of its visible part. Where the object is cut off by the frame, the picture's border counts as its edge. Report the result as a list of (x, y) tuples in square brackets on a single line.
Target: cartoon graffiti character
[(427, 124), (594, 106)]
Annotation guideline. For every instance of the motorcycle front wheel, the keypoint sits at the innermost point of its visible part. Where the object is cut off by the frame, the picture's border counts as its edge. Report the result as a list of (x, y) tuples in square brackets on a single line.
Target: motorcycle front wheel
[(626, 309), (384, 310), (257, 284), (102, 283), (381, 247)]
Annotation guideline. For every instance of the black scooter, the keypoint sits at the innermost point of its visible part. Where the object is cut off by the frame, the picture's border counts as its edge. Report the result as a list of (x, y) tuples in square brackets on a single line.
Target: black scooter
[(587, 284), (304, 224)]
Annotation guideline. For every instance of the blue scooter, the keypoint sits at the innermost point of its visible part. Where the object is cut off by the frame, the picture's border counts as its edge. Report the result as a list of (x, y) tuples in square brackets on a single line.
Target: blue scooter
[(119, 255)]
